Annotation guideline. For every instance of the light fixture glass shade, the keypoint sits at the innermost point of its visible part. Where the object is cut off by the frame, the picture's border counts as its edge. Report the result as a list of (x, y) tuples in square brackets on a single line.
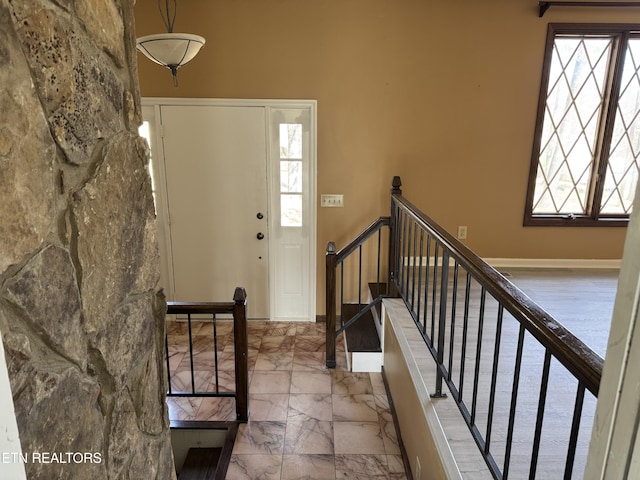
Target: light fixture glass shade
[(171, 50)]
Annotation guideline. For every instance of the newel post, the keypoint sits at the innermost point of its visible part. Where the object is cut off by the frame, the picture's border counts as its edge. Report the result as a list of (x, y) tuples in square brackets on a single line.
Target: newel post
[(241, 354), (331, 305), (394, 236)]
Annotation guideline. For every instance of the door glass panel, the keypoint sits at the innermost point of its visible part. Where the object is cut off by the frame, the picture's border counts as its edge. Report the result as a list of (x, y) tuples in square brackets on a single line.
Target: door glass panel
[(291, 176), (291, 153), (291, 210), (291, 140)]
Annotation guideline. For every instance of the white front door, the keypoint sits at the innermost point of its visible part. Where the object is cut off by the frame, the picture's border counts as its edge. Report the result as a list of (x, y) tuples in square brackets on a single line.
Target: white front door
[(235, 192), (216, 181)]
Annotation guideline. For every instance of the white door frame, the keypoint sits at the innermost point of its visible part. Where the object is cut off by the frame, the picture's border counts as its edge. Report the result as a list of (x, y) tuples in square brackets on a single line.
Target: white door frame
[(164, 219), (151, 114)]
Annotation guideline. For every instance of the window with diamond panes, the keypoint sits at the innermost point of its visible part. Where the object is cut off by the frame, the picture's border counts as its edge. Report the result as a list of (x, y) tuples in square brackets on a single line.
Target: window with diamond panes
[(587, 145)]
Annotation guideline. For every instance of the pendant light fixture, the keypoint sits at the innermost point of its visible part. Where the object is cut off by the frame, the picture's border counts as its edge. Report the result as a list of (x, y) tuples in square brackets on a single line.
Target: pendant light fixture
[(171, 50)]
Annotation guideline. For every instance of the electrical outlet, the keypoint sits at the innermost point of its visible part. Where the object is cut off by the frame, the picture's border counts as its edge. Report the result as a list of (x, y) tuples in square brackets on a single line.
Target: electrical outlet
[(462, 232), (332, 200), (418, 471)]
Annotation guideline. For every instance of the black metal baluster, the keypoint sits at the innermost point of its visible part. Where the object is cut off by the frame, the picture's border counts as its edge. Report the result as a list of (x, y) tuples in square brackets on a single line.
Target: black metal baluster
[(341, 293), (426, 286), (359, 285), (454, 296), (407, 260), (465, 330), (166, 347), (413, 266), (540, 416), (476, 375), (514, 402), (395, 247), (494, 379), (419, 289), (378, 264), (405, 221), (215, 352), (434, 292), (575, 428), (193, 381), (442, 318)]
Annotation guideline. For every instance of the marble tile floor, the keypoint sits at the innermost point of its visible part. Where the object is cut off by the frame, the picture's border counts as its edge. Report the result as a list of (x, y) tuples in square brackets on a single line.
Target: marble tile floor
[(305, 421)]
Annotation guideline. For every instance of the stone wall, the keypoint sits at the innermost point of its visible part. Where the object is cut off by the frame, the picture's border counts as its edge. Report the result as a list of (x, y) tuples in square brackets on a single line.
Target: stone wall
[(81, 316)]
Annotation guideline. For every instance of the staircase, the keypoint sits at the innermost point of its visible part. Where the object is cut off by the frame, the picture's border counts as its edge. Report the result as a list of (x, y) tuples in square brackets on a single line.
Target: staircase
[(200, 464), (202, 450)]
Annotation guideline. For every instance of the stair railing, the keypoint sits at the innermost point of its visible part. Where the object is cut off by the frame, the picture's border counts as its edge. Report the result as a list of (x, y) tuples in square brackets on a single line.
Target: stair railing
[(469, 315), (206, 314), (506, 362), (354, 282)]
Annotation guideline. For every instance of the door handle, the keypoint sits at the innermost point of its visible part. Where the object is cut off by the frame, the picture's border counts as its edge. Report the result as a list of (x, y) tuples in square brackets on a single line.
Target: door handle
[(260, 236), (260, 216)]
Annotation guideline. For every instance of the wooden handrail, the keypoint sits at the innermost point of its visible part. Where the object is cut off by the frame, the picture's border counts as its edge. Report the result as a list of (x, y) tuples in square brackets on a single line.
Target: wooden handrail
[(175, 308), (574, 354), (184, 308), (357, 241)]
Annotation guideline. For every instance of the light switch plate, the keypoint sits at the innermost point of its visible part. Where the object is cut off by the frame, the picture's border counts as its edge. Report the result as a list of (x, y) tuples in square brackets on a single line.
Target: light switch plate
[(332, 200)]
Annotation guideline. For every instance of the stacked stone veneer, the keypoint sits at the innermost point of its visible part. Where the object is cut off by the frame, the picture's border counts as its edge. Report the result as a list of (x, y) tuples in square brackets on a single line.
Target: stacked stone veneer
[(81, 318)]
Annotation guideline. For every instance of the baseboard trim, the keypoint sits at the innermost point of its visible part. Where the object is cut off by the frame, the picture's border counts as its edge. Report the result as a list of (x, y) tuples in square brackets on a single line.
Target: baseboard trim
[(553, 263), (526, 262)]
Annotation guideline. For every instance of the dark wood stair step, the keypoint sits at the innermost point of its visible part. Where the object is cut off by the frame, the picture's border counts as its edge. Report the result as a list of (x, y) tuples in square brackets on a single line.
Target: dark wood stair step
[(200, 464), (362, 336), (377, 289)]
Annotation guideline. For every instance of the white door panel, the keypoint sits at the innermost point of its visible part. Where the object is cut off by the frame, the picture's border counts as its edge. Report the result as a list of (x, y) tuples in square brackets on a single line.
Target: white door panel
[(215, 163), (292, 206)]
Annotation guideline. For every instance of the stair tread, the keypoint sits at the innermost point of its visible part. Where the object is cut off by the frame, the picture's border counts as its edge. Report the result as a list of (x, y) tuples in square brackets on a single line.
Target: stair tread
[(200, 464), (362, 336)]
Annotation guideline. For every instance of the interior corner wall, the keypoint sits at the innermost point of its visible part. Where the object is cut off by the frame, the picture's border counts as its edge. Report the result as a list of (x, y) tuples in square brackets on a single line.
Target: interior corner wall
[(81, 314), (614, 445), (443, 94)]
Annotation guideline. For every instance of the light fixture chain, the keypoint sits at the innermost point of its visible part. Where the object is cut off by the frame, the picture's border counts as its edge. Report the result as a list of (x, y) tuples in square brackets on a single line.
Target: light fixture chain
[(167, 18)]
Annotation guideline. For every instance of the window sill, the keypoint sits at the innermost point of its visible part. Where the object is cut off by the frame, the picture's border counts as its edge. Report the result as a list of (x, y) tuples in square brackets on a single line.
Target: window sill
[(558, 221)]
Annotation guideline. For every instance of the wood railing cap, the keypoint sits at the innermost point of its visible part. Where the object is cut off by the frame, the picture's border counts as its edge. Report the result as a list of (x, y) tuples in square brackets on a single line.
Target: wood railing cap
[(240, 295), (396, 183)]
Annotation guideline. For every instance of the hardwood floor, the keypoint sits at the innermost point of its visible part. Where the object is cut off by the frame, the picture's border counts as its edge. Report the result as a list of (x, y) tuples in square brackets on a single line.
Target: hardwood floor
[(582, 300)]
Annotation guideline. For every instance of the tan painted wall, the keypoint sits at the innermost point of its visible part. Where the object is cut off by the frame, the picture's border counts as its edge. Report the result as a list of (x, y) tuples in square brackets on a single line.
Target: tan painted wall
[(442, 93)]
